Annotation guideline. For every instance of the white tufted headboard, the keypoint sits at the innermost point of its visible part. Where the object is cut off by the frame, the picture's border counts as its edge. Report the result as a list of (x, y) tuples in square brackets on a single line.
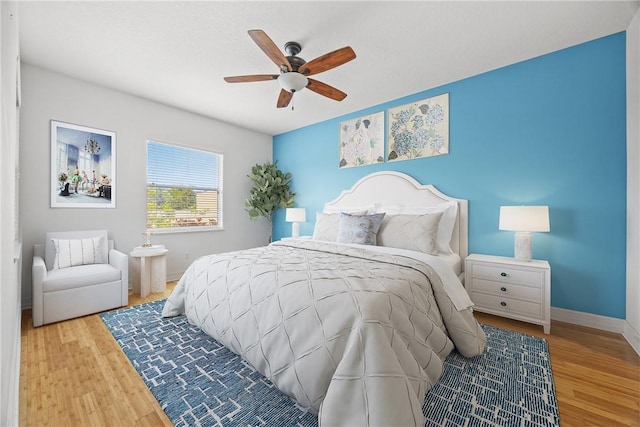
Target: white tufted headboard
[(390, 187)]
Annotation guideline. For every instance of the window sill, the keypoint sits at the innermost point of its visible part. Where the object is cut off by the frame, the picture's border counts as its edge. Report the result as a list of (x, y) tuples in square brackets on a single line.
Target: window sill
[(157, 231)]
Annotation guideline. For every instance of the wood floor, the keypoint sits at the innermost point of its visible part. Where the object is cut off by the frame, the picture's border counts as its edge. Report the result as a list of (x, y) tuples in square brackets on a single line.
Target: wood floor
[(74, 374)]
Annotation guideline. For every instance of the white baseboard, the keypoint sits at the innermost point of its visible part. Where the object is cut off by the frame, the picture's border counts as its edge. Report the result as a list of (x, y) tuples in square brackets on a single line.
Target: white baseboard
[(632, 336), (589, 320), (14, 404), (609, 324), (174, 276), (11, 417)]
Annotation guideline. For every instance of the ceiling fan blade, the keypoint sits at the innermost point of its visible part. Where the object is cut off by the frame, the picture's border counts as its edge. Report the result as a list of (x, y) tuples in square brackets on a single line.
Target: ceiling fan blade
[(326, 90), (284, 99), (253, 78), (269, 47), (328, 61)]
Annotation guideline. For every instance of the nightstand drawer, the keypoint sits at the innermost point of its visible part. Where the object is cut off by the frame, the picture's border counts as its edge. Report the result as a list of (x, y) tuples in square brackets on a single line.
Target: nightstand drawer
[(507, 290), (507, 305), (507, 273)]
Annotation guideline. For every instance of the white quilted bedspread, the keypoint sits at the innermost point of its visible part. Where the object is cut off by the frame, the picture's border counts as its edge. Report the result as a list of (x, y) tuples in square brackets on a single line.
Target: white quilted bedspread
[(355, 335)]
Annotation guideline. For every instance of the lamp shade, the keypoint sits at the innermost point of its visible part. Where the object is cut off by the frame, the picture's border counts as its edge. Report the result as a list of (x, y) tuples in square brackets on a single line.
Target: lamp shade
[(524, 218), (292, 81), (295, 215)]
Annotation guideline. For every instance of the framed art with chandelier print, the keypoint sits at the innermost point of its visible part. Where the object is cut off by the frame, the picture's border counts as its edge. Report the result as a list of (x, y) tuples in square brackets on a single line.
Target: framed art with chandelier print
[(83, 167)]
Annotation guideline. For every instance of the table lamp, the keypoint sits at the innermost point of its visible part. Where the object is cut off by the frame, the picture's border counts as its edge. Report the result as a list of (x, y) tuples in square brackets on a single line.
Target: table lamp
[(295, 216), (523, 220)]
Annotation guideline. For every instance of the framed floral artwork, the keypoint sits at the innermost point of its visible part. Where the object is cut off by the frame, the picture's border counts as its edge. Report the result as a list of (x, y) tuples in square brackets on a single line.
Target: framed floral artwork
[(83, 167), (362, 140), (419, 129)]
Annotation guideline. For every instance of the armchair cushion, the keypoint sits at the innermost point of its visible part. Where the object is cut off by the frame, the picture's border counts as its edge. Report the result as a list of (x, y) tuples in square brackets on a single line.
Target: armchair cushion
[(82, 275), (73, 252)]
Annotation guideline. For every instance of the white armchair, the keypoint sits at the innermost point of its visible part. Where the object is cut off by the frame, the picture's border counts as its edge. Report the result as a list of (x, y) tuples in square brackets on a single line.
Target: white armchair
[(76, 273)]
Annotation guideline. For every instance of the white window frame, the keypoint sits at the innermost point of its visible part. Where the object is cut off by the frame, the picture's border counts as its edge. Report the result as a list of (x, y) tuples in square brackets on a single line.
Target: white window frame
[(187, 229)]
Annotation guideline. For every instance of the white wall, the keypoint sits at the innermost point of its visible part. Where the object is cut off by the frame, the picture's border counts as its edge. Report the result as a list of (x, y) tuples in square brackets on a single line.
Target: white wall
[(632, 328), (49, 96), (10, 314)]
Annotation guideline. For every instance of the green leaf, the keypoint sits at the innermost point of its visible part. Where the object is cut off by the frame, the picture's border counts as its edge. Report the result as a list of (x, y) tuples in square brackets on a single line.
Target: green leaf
[(270, 191)]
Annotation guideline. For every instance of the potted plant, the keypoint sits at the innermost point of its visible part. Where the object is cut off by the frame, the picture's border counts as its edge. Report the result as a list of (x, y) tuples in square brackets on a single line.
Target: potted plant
[(270, 191)]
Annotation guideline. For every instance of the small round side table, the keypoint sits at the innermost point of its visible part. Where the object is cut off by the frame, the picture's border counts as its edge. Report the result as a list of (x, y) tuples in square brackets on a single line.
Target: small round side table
[(150, 273)]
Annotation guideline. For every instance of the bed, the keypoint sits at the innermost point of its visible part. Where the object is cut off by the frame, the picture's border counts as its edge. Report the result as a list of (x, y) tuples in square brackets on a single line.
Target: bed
[(354, 322)]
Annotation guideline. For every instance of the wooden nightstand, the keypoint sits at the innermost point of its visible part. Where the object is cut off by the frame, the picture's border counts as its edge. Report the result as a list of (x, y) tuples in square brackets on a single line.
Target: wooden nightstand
[(510, 288)]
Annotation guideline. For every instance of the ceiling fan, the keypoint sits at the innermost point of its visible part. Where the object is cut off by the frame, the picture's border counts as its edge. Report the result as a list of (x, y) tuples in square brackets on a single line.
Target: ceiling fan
[(294, 71)]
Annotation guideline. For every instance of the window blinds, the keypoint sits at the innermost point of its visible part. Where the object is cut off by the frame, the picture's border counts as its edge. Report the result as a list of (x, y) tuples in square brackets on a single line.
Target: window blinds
[(184, 187)]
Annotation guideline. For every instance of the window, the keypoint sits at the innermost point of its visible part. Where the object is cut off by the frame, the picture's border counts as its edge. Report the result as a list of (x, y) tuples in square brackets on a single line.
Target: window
[(184, 188)]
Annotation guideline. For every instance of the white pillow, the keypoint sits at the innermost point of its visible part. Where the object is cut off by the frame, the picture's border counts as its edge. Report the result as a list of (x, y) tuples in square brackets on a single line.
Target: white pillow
[(412, 232), (449, 212), (326, 227), (73, 252)]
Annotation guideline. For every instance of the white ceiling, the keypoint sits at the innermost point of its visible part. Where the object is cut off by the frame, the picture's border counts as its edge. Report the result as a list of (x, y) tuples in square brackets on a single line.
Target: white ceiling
[(177, 52)]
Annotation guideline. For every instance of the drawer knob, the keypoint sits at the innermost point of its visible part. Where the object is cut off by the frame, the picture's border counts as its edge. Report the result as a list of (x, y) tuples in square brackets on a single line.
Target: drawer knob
[(504, 304), (503, 274), (503, 289)]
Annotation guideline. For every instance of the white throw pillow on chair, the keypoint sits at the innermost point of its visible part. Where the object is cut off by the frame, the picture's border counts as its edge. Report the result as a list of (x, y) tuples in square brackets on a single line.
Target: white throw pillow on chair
[(73, 252)]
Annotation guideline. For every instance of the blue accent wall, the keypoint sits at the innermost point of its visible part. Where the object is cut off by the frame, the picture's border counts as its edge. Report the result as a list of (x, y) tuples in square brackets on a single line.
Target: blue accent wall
[(547, 131)]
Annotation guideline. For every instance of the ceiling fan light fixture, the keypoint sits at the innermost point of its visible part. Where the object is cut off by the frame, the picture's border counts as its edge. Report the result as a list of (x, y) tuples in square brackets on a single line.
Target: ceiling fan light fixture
[(292, 81)]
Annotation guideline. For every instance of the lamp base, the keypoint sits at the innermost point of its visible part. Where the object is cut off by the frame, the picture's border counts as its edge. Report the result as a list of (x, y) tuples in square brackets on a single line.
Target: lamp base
[(295, 229), (522, 246)]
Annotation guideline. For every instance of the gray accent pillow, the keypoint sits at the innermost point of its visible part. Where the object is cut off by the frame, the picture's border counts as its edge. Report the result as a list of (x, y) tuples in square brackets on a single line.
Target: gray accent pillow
[(361, 229)]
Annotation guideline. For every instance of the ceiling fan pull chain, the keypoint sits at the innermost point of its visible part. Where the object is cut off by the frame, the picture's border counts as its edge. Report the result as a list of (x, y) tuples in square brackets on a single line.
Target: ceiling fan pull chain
[(292, 101)]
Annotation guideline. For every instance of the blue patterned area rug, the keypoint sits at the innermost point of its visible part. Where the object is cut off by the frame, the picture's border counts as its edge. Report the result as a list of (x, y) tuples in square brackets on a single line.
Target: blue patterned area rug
[(197, 381)]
